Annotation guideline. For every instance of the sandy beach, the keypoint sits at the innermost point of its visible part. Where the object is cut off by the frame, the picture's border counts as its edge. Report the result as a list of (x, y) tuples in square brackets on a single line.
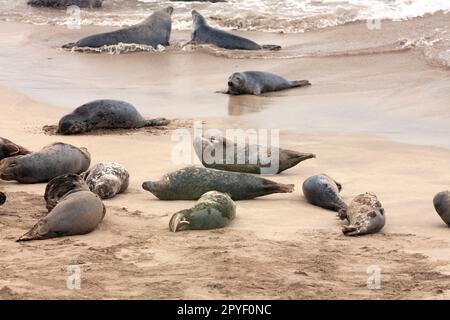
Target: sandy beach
[(376, 116)]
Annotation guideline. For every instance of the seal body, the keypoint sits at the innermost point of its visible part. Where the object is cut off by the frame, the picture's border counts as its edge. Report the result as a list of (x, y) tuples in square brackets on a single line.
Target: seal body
[(58, 187), (10, 149), (42, 166), (202, 33), (257, 82), (442, 205), (153, 31), (323, 191), (104, 114), (2, 198), (212, 211), (365, 215), (107, 179), (66, 3), (244, 157), (192, 182)]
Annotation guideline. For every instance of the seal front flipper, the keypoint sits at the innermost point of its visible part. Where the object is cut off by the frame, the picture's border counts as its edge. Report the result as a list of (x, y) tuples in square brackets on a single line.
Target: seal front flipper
[(300, 83), (223, 91), (271, 47)]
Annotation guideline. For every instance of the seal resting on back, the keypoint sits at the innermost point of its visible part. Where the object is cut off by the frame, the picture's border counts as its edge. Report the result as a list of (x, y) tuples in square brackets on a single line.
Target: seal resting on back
[(246, 158), (107, 179), (257, 82), (78, 211), (202, 33), (105, 114), (212, 211), (365, 215), (442, 205), (66, 3), (323, 191), (191, 183), (153, 31), (42, 166), (9, 149)]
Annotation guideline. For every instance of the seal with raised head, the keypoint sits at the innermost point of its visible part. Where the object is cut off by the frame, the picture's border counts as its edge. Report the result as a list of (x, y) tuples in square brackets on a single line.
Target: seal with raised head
[(10, 149), (442, 205), (58, 187), (42, 166), (192, 182), (323, 191), (2, 198), (105, 114), (202, 33), (365, 215), (66, 3), (245, 157), (212, 211), (76, 212), (107, 179), (153, 31), (258, 82)]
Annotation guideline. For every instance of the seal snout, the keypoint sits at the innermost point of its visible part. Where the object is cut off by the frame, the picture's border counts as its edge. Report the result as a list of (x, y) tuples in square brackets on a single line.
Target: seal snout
[(148, 185), (169, 10)]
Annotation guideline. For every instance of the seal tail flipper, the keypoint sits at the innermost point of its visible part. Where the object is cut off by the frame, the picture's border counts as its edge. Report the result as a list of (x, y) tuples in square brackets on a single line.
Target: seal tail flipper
[(158, 122), (295, 158), (178, 222), (301, 83), (274, 187), (70, 45), (271, 47), (39, 231)]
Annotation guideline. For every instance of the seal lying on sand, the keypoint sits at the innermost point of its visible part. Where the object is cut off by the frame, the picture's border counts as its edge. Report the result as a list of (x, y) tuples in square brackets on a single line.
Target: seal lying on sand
[(202, 33), (107, 179), (191, 183), (42, 166), (58, 187), (9, 149), (2, 198), (78, 211), (66, 3), (323, 191), (246, 158), (105, 114), (153, 31), (442, 205), (213, 210), (365, 215), (257, 82)]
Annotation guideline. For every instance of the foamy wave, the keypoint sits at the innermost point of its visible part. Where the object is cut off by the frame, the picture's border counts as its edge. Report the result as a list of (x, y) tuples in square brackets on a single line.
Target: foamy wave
[(119, 49)]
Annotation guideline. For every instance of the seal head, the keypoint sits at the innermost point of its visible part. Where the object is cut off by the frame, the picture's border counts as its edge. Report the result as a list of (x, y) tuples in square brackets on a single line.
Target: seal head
[(442, 205)]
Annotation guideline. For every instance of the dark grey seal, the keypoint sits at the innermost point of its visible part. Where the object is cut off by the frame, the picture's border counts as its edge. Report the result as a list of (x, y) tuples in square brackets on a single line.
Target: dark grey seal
[(323, 191), (105, 114), (42, 166), (442, 205), (107, 179), (58, 187), (153, 31), (246, 158), (212, 211), (76, 212), (202, 33), (191, 183), (2, 198), (257, 82), (10, 149), (365, 215), (66, 3)]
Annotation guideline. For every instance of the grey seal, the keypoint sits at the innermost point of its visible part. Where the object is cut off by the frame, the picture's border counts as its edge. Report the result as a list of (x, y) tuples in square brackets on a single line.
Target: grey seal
[(77, 212), (442, 205), (107, 179), (323, 191), (42, 166), (10, 149), (153, 31), (246, 158), (58, 187), (66, 3), (2, 198), (192, 182), (258, 82), (105, 114), (212, 211), (202, 33), (365, 215)]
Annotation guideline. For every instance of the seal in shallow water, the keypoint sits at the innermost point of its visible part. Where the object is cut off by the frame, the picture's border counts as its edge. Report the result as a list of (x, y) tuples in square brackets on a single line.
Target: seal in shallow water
[(76, 212), (105, 114), (213, 210), (153, 31), (42, 166), (257, 82), (10, 149), (323, 191), (202, 33), (192, 182), (66, 3), (442, 205), (107, 179), (365, 215)]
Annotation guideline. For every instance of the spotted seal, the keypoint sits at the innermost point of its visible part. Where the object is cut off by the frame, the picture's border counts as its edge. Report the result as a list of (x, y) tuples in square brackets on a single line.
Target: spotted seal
[(323, 191), (107, 179)]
